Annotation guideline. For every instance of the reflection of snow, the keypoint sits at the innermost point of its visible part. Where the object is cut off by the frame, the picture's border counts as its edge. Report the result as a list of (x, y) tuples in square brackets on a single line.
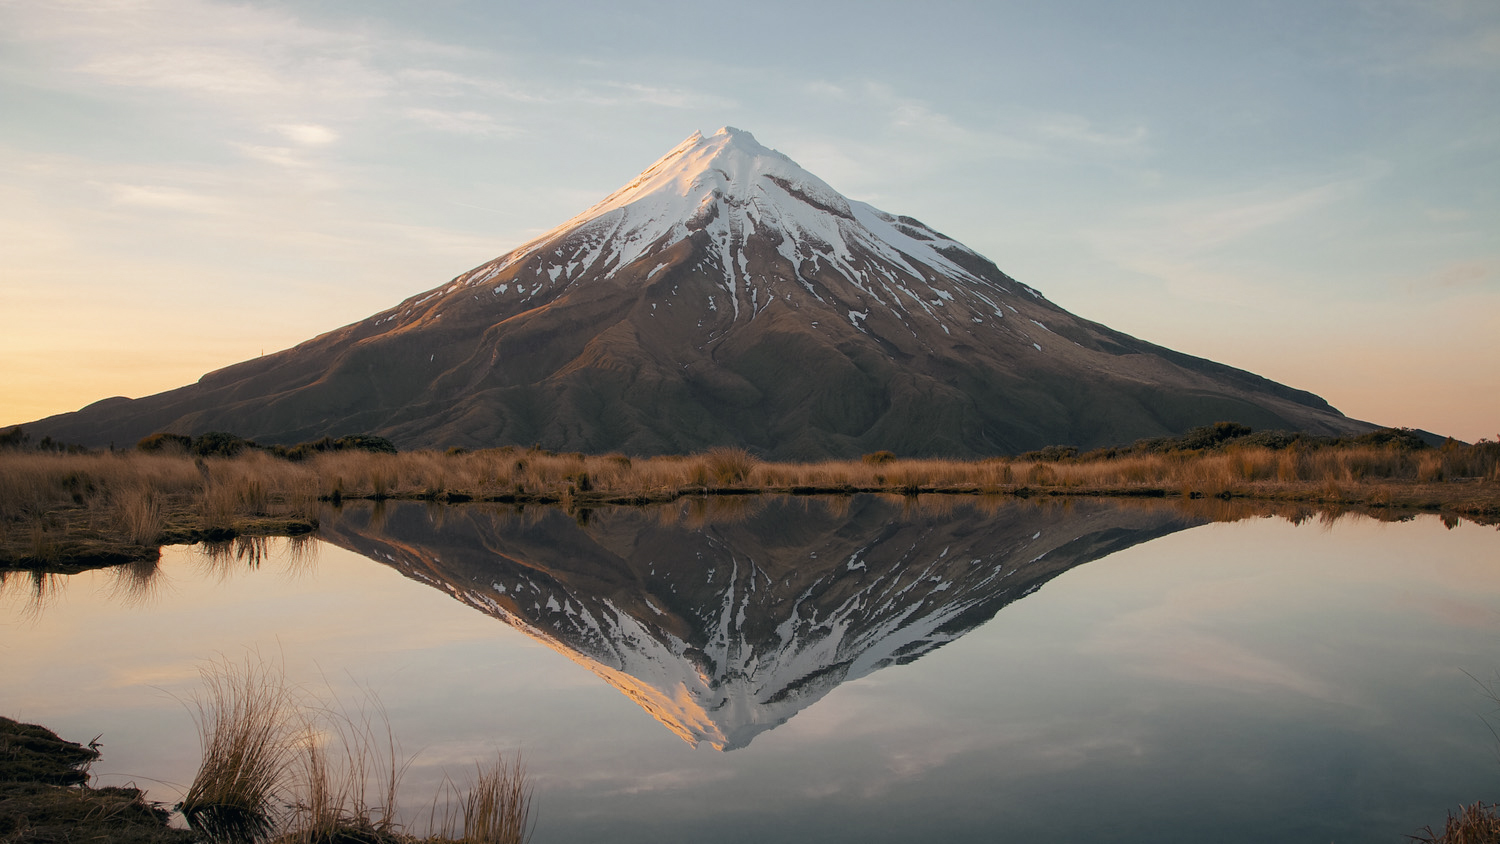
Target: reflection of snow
[(721, 633)]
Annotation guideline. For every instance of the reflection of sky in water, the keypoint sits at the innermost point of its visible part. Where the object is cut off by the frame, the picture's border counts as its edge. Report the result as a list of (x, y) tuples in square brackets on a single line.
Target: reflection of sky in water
[(1254, 679)]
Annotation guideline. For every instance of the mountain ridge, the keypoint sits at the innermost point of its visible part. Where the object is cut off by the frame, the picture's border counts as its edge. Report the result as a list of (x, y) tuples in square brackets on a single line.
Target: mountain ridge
[(725, 296)]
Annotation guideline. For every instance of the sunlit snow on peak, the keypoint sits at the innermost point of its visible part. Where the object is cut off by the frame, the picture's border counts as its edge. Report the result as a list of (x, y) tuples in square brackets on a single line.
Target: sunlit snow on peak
[(731, 188)]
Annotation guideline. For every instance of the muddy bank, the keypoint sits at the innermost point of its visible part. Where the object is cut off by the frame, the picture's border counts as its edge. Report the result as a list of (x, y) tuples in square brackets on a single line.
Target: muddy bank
[(44, 796)]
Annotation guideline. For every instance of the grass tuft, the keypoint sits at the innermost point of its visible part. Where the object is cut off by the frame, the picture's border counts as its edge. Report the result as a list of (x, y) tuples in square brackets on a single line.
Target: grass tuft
[(242, 715), (287, 768), (497, 808), (1475, 824)]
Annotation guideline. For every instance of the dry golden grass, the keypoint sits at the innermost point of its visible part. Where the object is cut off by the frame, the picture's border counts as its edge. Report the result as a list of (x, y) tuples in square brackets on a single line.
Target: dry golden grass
[(243, 718), (340, 757), (121, 506), (497, 807), (58, 507), (285, 767), (1476, 824)]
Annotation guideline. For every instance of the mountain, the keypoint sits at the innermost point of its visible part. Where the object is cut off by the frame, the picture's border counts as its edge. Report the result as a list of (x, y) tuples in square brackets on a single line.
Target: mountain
[(725, 296), (723, 629)]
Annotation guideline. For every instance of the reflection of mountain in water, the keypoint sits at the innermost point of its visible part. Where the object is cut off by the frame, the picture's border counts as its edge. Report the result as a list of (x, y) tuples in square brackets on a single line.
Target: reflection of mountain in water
[(724, 630)]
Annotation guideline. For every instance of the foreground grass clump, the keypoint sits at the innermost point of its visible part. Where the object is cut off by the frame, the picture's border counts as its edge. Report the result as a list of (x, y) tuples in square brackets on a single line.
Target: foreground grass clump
[(280, 767), (242, 720), (115, 507), (266, 778), (1476, 824)]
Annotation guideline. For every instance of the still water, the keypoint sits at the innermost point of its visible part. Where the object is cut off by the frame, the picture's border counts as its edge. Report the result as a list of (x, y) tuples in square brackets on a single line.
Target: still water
[(845, 670)]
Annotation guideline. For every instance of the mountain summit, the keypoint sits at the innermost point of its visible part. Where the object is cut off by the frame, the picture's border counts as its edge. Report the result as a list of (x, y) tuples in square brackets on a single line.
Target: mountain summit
[(725, 296)]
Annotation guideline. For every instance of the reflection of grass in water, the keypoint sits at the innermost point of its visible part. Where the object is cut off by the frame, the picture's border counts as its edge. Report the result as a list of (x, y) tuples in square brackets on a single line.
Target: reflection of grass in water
[(732, 509), (35, 590), (225, 558), (73, 506), (300, 554), (138, 583)]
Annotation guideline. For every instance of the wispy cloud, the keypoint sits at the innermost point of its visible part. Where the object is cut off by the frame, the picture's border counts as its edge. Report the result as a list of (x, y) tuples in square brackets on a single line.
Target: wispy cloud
[(984, 135), (1456, 276), (458, 122), (1078, 130), (1426, 36), (1184, 243), (235, 53), (634, 93), (307, 134), (164, 197), (1202, 659)]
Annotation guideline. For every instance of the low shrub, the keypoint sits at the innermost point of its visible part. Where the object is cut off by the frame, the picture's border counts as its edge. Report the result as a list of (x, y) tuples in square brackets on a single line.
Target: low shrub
[(730, 465), (164, 442)]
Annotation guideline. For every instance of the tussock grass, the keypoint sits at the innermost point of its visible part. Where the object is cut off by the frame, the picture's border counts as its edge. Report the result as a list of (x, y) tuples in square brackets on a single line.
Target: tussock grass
[(56, 506), (278, 766), (115, 507), (1475, 824), (282, 766), (496, 808), (243, 716)]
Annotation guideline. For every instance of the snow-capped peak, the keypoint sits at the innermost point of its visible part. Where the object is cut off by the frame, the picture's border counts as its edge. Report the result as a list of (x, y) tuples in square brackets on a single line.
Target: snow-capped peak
[(729, 166), (732, 189)]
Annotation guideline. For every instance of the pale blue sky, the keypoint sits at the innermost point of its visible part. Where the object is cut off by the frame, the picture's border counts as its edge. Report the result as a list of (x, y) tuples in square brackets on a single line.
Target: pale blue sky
[(1309, 190)]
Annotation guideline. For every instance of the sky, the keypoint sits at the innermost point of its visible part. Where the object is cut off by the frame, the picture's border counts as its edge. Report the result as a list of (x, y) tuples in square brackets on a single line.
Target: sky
[(1309, 191)]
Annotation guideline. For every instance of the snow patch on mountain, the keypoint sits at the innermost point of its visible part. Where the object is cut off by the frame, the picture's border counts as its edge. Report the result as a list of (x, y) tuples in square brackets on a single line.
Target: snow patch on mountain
[(731, 189)]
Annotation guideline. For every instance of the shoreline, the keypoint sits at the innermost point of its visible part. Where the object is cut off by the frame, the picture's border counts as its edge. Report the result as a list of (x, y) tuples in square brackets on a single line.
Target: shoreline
[(82, 546), (89, 510)]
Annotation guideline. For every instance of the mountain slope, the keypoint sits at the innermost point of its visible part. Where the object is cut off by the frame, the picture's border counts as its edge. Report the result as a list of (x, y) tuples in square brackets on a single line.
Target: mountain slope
[(724, 296)]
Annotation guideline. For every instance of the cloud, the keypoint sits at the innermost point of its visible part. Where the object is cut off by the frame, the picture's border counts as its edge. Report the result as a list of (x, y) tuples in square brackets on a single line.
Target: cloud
[(1190, 243), (1204, 225), (1425, 36), (307, 134), (212, 50), (982, 135), (458, 122), (1461, 275), (162, 197), (1478, 50), (635, 94), (213, 73), (279, 156), (1078, 130), (1202, 659)]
